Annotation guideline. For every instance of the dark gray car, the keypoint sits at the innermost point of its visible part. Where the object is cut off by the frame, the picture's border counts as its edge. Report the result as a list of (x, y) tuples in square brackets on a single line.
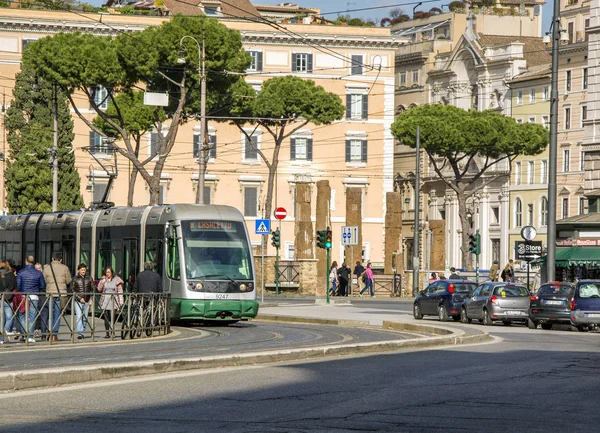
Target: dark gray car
[(490, 302)]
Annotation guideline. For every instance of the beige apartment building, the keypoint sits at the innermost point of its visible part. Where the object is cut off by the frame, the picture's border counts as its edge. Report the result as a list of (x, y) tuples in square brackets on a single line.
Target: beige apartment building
[(463, 58), (573, 82), (356, 152), (529, 178)]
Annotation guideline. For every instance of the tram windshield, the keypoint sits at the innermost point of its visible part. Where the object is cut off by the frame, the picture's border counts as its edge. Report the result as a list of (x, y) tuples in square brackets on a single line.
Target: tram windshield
[(216, 250)]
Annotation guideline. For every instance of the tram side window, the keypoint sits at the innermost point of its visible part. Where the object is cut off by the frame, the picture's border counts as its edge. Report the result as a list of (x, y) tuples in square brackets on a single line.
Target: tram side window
[(103, 259), (30, 249), (173, 268), (154, 254), (85, 253), (45, 252), (117, 258), (3, 250)]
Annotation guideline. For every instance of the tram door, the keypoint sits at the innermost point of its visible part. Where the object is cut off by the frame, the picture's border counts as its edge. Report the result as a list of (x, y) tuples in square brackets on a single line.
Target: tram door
[(130, 262), (68, 253)]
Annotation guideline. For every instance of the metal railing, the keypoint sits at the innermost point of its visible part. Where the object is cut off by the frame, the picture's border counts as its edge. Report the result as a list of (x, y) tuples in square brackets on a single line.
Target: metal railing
[(33, 317), (288, 273)]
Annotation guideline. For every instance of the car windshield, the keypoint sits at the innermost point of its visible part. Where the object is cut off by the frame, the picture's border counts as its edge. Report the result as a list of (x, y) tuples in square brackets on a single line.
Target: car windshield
[(464, 288), (511, 291), (589, 290), (556, 290)]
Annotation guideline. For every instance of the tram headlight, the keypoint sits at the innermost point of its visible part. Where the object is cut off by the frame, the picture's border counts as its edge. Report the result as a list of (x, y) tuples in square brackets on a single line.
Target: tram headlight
[(199, 286), (242, 287)]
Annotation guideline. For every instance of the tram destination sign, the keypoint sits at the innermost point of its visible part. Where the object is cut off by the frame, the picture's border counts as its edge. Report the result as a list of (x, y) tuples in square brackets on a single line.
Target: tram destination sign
[(528, 250), (212, 226)]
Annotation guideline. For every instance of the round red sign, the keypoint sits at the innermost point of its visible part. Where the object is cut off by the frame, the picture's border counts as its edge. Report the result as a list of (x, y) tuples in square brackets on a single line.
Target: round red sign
[(280, 213)]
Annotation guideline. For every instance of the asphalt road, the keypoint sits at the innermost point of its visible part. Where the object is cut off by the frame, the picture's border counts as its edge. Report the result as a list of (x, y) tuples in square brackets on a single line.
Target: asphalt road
[(192, 341), (526, 381)]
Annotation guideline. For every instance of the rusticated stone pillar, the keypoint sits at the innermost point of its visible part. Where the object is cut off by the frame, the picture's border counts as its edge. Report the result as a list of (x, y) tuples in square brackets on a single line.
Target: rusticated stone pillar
[(438, 245), (323, 219), (303, 227), (354, 218), (393, 231)]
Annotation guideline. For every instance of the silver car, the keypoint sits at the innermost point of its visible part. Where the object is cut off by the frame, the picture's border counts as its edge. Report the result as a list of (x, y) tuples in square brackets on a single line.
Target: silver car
[(490, 302)]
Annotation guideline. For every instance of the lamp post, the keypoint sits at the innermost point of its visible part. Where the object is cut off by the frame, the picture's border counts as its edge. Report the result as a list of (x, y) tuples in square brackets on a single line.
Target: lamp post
[(202, 76), (416, 8), (557, 36)]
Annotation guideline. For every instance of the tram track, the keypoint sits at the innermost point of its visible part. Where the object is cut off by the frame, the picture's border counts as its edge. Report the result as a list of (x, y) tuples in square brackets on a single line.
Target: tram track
[(284, 336)]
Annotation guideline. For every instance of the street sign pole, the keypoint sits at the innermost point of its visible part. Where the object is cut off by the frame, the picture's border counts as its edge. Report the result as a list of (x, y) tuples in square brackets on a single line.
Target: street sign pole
[(262, 268), (327, 273), (477, 257)]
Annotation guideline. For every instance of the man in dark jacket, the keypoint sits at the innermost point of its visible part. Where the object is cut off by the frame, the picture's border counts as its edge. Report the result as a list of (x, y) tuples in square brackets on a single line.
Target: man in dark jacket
[(454, 275), (30, 282), (82, 288), (148, 281), (358, 271), (343, 276)]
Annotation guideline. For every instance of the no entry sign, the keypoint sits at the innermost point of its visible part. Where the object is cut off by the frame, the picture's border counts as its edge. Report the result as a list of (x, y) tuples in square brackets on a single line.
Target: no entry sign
[(280, 213)]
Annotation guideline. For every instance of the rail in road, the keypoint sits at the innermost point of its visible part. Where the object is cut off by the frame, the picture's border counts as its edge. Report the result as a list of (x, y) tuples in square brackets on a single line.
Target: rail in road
[(194, 341)]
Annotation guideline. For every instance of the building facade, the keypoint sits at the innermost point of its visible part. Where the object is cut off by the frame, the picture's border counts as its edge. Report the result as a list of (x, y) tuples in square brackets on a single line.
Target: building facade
[(356, 152)]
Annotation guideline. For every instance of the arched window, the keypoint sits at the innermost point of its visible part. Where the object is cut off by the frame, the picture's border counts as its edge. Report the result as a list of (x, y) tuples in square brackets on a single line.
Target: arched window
[(400, 109), (518, 213), (544, 221)]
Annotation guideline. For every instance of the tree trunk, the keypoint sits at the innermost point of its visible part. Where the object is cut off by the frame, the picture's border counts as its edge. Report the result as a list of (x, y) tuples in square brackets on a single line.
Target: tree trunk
[(467, 263), (271, 182), (132, 179)]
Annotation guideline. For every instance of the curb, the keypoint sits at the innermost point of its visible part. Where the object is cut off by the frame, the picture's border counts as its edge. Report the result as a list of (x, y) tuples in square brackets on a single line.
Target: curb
[(309, 320), (45, 378)]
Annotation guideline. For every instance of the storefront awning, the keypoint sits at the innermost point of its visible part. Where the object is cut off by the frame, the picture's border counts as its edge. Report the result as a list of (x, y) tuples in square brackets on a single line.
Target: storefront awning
[(576, 256)]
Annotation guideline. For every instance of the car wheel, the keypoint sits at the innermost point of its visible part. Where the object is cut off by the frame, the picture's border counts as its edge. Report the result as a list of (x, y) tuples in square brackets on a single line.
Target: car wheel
[(532, 324), (417, 312), (487, 320), (581, 328), (442, 313), (547, 326), (456, 318), (506, 322), (463, 316)]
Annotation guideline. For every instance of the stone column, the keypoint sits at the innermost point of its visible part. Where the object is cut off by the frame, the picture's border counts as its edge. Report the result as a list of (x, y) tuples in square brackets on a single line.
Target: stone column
[(485, 258), (323, 219), (354, 218), (505, 251), (433, 213), (393, 230), (438, 245), (303, 227)]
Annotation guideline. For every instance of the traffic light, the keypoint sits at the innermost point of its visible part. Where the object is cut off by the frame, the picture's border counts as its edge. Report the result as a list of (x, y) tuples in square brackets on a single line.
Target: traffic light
[(472, 243), (321, 238), (328, 239), (276, 238), (478, 243)]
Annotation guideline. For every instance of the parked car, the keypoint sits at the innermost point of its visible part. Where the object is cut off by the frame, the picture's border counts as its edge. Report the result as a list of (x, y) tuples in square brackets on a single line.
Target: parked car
[(497, 301), (585, 304), (551, 304), (443, 298)]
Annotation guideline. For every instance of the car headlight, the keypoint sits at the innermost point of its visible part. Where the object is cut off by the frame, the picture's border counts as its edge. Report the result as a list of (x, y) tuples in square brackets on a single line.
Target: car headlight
[(242, 287), (199, 286)]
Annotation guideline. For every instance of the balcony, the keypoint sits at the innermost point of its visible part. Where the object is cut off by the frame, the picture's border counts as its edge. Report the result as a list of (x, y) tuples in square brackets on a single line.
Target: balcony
[(425, 47)]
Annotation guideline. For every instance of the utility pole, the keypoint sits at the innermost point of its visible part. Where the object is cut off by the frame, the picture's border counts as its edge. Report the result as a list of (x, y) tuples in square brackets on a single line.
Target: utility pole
[(55, 152), (417, 217), (201, 157), (552, 150)]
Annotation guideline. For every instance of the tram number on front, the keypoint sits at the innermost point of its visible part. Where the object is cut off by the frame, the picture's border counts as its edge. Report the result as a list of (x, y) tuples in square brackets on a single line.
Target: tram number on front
[(221, 296)]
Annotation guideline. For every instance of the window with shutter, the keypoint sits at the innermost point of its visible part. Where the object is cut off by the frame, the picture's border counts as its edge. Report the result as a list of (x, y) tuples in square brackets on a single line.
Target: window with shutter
[(212, 142), (153, 142), (250, 152), (101, 98), (300, 149), (357, 64), (250, 201), (207, 191), (309, 149), (302, 62), (196, 145), (257, 61), (364, 151)]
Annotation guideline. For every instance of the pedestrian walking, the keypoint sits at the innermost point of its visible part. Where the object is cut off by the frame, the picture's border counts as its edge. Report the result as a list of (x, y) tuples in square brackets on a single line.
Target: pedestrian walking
[(512, 271), (82, 289), (8, 285), (111, 287), (359, 270), (343, 276), (31, 283), (368, 280), (494, 271), (333, 278), (58, 278), (453, 274), (506, 274)]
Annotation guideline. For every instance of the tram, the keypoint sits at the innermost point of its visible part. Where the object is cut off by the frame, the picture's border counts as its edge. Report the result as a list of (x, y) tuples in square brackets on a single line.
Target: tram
[(202, 252)]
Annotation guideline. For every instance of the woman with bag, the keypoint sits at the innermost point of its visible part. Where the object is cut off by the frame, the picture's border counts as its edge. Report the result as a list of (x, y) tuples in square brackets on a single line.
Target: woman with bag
[(333, 277), (506, 274), (111, 287), (368, 278), (8, 284)]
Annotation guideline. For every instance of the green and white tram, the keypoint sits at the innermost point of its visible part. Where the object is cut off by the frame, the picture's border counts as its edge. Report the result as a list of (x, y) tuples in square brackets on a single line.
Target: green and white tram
[(202, 252)]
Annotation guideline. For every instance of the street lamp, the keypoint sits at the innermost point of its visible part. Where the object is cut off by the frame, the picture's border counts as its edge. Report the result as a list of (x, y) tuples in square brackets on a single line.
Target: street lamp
[(556, 36), (416, 8), (202, 76)]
